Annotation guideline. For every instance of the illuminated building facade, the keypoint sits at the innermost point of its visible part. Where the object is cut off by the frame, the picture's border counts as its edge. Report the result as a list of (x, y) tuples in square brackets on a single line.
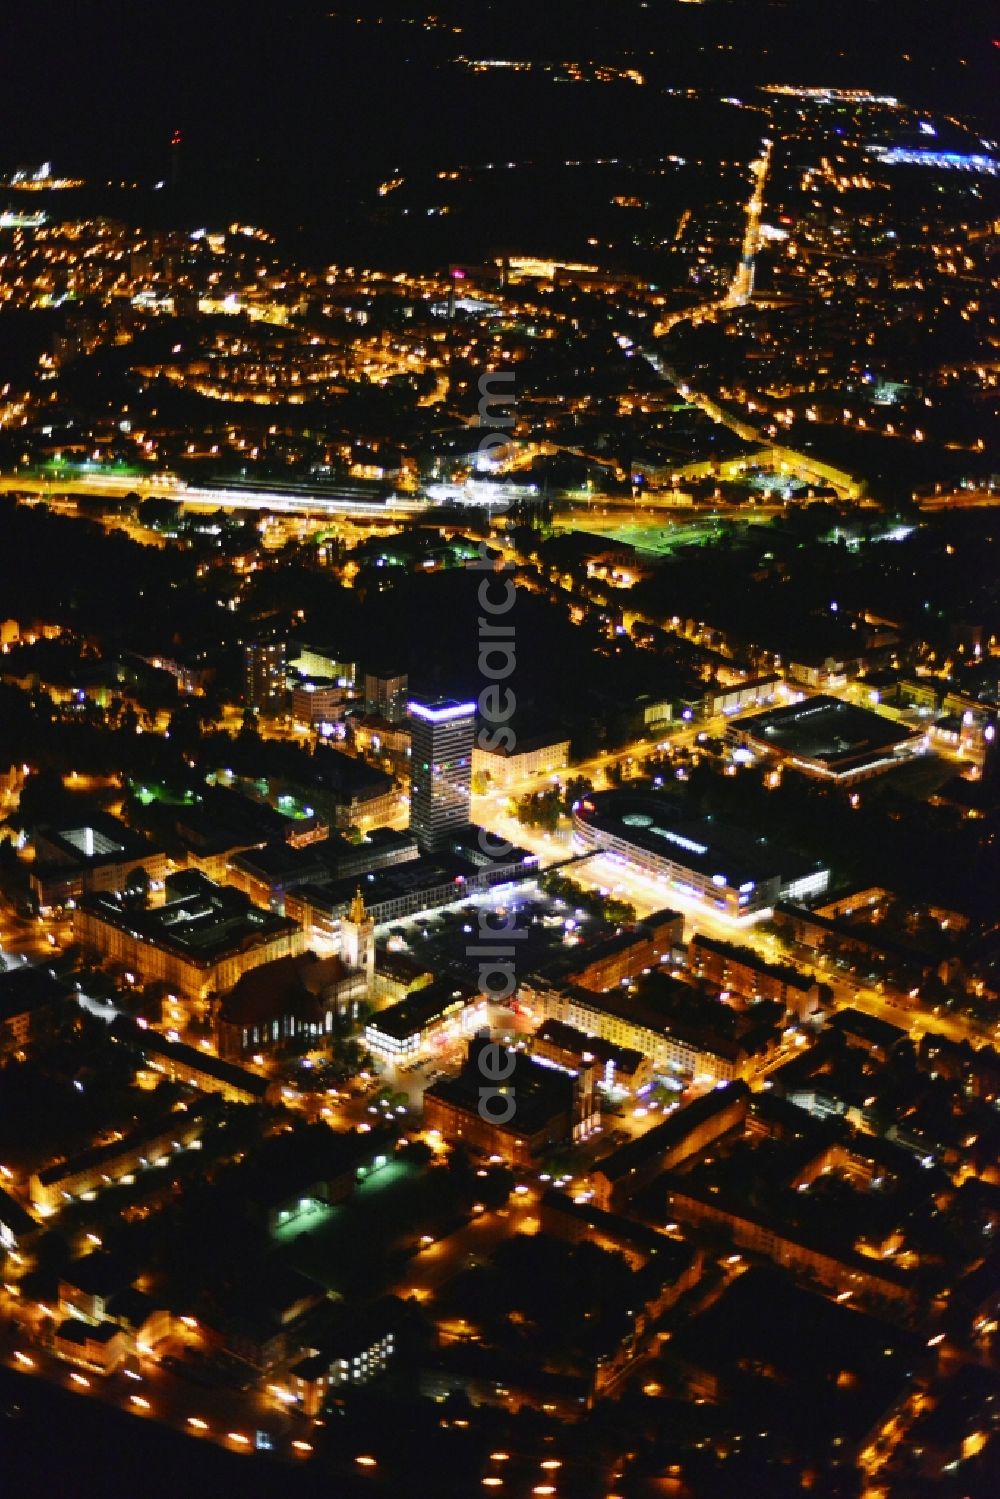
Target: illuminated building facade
[(536, 757), (441, 769), (828, 739), (316, 701), (264, 667), (32, 1005), (535, 1107), (638, 830), (199, 942), (386, 695), (439, 1011), (101, 854)]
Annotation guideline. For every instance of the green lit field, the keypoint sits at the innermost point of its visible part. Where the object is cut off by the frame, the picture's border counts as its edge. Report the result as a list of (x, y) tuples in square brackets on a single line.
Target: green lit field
[(360, 1245), (653, 535), (68, 469), (155, 791)]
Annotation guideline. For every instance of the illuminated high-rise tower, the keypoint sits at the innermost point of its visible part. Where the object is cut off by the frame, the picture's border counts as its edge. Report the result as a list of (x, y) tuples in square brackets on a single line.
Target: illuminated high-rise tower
[(264, 672), (440, 769)]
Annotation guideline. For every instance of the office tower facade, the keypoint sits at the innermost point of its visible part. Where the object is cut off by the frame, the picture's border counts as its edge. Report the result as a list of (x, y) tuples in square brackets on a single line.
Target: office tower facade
[(385, 694), (442, 733), (264, 668)]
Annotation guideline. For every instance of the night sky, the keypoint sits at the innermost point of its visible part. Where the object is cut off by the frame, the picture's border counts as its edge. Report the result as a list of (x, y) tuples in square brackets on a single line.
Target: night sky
[(306, 96)]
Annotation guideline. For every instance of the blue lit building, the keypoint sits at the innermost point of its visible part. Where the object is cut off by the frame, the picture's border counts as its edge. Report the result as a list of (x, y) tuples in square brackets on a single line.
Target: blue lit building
[(441, 770)]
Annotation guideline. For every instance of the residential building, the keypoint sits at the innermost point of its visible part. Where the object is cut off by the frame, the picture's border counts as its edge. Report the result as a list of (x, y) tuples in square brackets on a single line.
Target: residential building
[(33, 1003), (317, 700), (617, 1068), (742, 971), (189, 1064), (386, 694), (104, 1165), (681, 1135), (843, 1270), (100, 1348), (528, 757), (605, 964), (17, 1227), (322, 661), (675, 1045), (264, 674)]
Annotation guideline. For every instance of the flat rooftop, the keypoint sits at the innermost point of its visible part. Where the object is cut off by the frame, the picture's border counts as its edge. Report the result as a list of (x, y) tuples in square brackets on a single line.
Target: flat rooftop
[(826, 730), (673, 1130), (783, 972), (151, 1044), (651, 820), (97, 839), (541, 1093), (421, 1007), (428, 873), (200, 921)]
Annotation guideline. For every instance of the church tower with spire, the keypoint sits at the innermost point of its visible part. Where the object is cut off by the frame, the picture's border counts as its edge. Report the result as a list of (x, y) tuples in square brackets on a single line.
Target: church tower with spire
[(357, 940)]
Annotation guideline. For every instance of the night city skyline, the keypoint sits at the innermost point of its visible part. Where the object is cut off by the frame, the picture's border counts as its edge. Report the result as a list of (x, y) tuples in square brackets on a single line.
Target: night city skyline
[(499, 760)]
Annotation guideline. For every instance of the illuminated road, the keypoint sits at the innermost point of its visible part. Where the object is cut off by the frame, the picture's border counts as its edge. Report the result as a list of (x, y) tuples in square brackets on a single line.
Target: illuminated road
[(647, 894), (739, 293), (439, 1262), (961, 499), (30, 940), (229, 1417), (741, 287)]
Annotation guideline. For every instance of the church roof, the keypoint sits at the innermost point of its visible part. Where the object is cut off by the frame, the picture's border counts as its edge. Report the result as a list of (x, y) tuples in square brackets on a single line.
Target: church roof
[(287, 986)]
